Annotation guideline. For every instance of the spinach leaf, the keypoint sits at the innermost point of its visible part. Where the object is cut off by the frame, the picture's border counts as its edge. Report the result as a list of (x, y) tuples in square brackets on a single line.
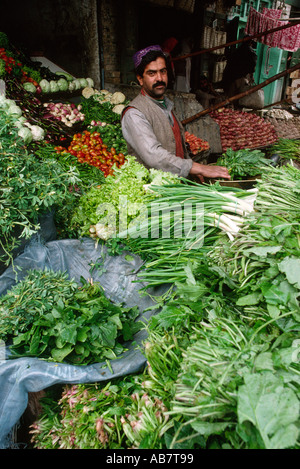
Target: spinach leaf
[(243, 163), (50, 316), (271, 407)]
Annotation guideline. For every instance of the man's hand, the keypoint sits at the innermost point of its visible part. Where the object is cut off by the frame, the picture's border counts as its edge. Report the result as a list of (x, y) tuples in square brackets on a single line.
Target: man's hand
[(205, 171)]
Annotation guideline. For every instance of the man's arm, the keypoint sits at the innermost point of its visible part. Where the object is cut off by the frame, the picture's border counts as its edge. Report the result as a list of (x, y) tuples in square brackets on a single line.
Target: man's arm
[(205, 171)]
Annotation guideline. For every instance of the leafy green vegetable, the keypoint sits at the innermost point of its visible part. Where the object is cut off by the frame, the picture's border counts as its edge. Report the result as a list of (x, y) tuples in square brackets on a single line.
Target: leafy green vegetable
[(32, 73), (180, 224), (243, 163), (95, 110), (227, 380), (291, 267), (4, 41), (88, 175), (62, 84), (2, 68), (112, 136), (116, 416), (28, 188), (222, 353), (286, 148), (271, 407), (49, 316), (29, 87), (126, 186)]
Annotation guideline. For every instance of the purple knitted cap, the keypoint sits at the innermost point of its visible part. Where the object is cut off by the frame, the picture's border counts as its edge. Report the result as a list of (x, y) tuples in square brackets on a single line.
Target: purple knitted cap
[(137, 58)]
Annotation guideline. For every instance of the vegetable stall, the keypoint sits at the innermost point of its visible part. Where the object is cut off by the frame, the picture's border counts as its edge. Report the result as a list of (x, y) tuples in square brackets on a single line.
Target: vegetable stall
[(219, 354)]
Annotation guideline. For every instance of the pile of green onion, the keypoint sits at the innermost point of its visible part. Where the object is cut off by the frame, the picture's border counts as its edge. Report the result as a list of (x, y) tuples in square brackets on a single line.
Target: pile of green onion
[(169, 236)]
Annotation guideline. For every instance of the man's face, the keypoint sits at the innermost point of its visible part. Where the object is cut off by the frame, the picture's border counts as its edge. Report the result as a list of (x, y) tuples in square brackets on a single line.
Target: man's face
[(155, 78)]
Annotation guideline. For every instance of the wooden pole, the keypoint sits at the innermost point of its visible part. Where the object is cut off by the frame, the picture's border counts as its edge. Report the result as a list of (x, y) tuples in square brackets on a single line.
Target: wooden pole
[(240, 95), (238, 41)]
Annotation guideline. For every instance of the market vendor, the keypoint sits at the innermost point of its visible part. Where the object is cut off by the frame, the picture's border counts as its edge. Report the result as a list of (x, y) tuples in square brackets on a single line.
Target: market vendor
[(153, 133)]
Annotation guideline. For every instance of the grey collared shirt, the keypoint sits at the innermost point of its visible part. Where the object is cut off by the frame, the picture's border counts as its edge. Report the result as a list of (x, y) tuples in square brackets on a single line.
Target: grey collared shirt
[(138, 132)]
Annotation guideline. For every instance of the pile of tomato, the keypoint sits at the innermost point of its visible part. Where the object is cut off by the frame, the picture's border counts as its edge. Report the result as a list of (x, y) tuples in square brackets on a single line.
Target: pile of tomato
[(10, 62), (196, 144), (88, 147)]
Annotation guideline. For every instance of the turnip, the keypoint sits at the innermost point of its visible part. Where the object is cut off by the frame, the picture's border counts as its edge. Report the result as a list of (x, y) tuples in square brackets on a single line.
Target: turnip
[(66, 113)]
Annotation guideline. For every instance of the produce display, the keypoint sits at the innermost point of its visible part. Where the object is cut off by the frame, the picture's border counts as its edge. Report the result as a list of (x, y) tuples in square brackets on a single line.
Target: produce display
[(62, 82), (239, 129), (34, 112), (35, 79), (221, 354), (26, 130), (129, 423), (222, 348), (279, 114), (116, 100), (88, 147), (209, 212), (89, 175), (8, 64), (125, 192), (286, 128)]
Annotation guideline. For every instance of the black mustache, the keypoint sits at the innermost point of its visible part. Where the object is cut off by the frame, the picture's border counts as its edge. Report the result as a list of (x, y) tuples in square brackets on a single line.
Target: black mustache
[(159, 83)]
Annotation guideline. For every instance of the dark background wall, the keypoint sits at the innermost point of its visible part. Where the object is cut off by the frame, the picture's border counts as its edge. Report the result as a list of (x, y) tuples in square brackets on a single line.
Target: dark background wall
[(64, 31), (97, 38)]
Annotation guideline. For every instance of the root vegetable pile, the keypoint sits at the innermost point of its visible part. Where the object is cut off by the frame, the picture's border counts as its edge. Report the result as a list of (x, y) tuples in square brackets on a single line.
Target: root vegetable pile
[(286, 128), (240, 129), (196, 144), (68, 113)]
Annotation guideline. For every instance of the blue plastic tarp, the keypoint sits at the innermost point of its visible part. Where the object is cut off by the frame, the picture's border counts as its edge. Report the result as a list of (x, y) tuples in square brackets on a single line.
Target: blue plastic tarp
[(117, 276)]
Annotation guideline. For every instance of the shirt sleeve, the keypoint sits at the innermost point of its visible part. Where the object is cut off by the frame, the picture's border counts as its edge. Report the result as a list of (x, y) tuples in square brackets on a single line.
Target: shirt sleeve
[(138, 133)]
